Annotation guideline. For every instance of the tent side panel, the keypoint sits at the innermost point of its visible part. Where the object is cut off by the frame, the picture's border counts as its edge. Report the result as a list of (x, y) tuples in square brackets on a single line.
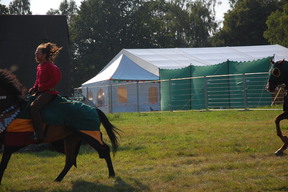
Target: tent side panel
[(249, 90), (175, 95), (214, 88), (99, 95), (135, 97)]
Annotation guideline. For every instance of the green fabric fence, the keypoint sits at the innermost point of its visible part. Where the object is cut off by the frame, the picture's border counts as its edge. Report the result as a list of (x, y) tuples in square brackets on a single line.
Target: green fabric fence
[(215, 86)]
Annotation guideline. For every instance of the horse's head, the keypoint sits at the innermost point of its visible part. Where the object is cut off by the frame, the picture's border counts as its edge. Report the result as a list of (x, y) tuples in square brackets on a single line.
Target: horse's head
[(277, 75), (11, 90)]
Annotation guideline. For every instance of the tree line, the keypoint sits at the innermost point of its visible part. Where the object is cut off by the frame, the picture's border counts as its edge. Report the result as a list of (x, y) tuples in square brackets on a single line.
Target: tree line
[(99, 29)]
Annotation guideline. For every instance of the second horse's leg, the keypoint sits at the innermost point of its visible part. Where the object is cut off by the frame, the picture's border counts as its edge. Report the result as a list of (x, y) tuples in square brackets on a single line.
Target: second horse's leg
[(283, 138), (281, 150)]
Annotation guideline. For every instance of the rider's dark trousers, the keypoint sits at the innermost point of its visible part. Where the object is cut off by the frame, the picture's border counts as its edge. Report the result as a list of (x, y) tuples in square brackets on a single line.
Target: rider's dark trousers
[(41, 100)]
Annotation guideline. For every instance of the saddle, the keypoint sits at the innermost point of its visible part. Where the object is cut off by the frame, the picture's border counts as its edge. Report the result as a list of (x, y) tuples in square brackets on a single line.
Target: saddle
[(61, 111)]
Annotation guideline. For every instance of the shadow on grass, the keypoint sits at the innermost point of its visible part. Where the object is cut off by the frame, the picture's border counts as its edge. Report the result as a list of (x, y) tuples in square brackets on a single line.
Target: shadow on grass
[(45, 150), (119, 186), (83, 186)]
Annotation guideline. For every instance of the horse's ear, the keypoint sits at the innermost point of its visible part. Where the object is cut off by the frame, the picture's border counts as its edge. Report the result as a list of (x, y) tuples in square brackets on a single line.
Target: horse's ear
[(282, 61), (272, 62)]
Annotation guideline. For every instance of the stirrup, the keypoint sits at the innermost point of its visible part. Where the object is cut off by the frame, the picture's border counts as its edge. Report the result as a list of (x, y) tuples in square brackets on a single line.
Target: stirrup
[(35, 138)]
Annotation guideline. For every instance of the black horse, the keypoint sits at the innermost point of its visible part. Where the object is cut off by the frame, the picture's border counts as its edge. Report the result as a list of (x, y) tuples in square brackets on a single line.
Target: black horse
[(65, 139), (278, 76)]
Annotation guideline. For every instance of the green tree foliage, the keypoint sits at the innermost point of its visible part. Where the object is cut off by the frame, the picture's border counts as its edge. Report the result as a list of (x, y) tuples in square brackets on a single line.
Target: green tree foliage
[(98, 32), (277, 23), (232, 3), (68, 8), (20, 7), (102, 28), (245, 23), (3, 9), (158, 24), (202, 23), (53, 12)]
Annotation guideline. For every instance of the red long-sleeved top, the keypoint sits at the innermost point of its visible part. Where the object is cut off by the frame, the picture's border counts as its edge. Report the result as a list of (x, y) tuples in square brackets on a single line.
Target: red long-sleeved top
[(47, 77)]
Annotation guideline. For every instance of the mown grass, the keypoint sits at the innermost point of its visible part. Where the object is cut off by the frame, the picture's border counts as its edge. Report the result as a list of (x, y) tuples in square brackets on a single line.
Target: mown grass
[(168, 151)]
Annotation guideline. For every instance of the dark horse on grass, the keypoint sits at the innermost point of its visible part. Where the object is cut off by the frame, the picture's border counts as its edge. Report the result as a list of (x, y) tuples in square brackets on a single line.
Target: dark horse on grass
[(64, 135), (278, 75)]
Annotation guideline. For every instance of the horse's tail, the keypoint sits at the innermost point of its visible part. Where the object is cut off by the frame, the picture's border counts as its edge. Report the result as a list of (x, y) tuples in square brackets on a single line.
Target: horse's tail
[(112, 131)]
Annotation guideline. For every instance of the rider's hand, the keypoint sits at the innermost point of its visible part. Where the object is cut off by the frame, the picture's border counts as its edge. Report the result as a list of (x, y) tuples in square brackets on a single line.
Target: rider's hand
[(32, 90)]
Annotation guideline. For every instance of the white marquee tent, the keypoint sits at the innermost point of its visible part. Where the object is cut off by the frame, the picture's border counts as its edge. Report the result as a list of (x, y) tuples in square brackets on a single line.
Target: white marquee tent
[(138, 65)]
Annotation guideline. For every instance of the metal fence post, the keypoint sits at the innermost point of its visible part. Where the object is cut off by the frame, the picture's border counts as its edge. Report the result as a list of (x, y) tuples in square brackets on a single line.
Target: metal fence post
[(206, 93), (137, 95), (110, 99), (244, 91), (170, 95)]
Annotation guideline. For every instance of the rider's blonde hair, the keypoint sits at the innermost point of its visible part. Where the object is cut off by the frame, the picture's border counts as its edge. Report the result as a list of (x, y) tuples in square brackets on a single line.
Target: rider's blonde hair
[(50, 49)]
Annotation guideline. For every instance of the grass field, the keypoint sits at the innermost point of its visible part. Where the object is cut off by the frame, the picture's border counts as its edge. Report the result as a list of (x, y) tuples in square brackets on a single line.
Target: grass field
[(168, 151)]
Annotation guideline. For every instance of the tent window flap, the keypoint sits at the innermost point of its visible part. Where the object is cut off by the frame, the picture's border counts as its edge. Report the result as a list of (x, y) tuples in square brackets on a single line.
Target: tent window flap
[(153, 95), (122, 95)]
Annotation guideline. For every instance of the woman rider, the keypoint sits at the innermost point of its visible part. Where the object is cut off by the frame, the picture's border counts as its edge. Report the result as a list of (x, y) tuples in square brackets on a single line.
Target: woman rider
[(47, 77)]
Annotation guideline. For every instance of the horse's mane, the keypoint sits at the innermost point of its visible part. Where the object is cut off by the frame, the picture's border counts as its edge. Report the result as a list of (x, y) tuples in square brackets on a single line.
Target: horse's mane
[(11, 84)]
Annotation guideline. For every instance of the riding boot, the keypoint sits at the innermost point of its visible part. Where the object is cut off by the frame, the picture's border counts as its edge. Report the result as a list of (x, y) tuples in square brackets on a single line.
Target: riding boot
[(36, 106), (38, 134), (37, 123)]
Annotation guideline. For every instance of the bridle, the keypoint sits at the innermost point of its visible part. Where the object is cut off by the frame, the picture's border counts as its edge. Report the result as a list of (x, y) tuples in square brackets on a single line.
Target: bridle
[(276, 72)]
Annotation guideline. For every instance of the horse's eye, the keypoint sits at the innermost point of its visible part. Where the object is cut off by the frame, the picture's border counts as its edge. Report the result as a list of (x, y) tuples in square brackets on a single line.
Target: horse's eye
[(276, 72)]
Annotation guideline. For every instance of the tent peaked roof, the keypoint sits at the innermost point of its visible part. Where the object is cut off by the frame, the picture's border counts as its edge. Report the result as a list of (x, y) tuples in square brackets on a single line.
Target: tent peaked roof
[(122, 68), (144, 64)]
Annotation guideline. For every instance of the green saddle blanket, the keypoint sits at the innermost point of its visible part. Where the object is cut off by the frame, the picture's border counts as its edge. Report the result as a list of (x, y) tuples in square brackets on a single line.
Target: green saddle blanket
[(62, 111)]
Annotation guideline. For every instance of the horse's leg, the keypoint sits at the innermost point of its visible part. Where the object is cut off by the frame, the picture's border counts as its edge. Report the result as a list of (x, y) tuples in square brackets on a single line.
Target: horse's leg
[(281, 150), (71, 146), (8, 151), (109, 164), (103, 151), (284, 139), (278, 119), (4, 162)]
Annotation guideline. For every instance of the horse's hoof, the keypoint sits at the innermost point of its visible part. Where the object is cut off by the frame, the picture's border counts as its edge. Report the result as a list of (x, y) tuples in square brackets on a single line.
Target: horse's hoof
[(279, 153), (112, 176), (58, 180)]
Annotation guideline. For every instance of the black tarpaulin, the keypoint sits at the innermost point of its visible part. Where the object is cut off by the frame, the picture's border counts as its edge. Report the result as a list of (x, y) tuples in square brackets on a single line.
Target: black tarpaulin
[(19, 37)]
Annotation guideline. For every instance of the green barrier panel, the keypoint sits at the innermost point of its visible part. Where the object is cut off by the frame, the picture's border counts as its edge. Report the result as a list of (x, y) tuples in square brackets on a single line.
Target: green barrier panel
[(175, 95), (215, 92)]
